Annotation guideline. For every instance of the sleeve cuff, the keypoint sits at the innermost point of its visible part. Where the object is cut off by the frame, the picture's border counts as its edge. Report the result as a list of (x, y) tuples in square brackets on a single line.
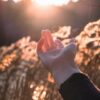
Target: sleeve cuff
[(80, 87)]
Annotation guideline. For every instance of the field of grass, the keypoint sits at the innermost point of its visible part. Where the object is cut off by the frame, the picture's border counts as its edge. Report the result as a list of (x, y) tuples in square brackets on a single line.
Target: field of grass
[(23, 77)]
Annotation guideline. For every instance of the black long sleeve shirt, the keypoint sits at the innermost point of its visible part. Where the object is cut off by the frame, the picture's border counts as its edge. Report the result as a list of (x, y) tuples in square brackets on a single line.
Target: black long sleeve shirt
[(79, 87)]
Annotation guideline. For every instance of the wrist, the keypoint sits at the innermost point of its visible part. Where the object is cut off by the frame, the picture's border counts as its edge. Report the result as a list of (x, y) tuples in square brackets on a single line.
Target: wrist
[(63, 73)]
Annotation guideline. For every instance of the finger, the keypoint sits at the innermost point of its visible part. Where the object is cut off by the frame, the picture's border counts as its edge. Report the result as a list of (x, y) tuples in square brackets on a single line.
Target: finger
[(46, 45), (58, 44), (73, 40), (48, 37), (40, 45), (45, 36), (71, 48)]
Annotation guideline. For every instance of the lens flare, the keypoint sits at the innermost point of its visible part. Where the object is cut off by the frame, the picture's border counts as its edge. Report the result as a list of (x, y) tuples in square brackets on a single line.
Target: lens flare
[(52, 2)]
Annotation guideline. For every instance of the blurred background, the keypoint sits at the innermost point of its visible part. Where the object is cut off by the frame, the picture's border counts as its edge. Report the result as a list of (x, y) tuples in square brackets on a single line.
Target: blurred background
[(20, 18), (22, 75)]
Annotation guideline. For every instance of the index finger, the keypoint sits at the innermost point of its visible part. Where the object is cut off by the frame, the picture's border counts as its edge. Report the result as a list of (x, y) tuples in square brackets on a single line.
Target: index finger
[(48, 37)]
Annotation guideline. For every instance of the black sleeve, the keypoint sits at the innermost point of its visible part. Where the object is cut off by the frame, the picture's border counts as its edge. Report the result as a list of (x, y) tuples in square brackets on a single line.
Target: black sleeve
[(79, 87)]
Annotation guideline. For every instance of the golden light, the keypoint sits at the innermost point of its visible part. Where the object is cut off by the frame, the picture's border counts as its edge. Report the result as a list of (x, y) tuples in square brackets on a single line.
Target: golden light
[(52, 2), (75, 0), (5, 0), (16, 1)]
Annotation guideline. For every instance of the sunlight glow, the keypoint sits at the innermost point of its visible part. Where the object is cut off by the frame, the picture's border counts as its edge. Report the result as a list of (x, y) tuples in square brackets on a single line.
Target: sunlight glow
[(5, 0), (48, 2), (52, 2), (16, 1), (75, 0)]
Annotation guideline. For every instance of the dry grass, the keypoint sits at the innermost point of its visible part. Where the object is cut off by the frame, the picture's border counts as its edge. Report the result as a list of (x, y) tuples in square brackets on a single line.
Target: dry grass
[(23, 77)]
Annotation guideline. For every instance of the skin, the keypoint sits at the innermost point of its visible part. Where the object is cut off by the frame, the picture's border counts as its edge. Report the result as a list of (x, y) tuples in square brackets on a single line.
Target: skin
[(59, 60)]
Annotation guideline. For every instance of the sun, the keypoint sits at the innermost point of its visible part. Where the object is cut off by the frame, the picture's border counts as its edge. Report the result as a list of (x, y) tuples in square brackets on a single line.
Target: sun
[(52, 2), (16, 1)]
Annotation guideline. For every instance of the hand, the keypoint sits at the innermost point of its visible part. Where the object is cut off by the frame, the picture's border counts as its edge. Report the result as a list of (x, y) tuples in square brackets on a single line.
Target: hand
[(57, 58)]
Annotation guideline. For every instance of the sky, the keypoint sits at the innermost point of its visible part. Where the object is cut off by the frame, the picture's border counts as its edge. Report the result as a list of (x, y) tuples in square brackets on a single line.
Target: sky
[(24, 18)]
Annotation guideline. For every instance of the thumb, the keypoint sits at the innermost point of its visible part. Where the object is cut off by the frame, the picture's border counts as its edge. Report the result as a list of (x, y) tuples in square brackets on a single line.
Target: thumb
[(71, 49)]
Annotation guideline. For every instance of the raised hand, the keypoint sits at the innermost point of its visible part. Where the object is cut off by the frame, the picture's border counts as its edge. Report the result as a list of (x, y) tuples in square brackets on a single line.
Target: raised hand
[(57, 58)]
